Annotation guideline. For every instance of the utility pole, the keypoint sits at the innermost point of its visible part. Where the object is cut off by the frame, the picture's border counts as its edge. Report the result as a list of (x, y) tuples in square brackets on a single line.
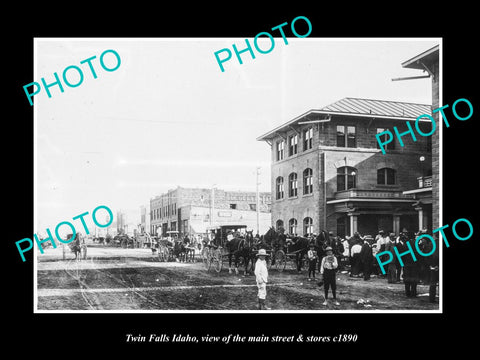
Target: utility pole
[(258, 203), (213, 205)]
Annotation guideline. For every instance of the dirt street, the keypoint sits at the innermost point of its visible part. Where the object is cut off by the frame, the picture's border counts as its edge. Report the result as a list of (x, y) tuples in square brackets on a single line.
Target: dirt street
[(116, 279)]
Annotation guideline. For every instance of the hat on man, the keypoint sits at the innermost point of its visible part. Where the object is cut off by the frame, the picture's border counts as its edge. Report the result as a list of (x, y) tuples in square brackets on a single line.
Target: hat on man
[(262, 252), (328, 248)]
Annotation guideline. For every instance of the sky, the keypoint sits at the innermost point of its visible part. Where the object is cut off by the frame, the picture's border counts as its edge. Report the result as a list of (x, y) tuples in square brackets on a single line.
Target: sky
[(169, 117)]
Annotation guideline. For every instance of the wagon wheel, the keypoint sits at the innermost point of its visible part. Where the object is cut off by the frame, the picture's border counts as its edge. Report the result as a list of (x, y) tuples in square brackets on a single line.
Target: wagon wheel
[(83, 252), (280, 260), (217, 261), (123, 244)]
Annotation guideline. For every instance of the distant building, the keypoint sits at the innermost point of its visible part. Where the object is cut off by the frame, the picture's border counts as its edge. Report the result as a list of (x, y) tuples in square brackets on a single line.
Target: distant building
[(120, 222), (144, 219), (329, 173), (194, 210)]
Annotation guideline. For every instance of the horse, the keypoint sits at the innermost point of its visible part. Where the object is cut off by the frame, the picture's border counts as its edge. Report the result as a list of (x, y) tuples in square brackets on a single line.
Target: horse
[(321, 241), (272, 240), (248, 251), (180, 251), (298, 245), (76, 248), (234, 248)]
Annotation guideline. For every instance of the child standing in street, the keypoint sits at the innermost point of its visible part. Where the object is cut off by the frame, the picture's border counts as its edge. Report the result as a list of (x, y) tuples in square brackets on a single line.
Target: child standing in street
[(261, 275), (312, 262), (328, 270)]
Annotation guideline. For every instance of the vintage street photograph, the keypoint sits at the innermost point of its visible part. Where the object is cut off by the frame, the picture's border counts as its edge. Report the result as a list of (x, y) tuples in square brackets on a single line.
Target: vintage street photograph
[(267, 184)]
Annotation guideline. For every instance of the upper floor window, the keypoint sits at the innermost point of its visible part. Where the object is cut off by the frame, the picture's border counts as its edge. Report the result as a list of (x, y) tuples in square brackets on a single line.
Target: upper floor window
[(280, 149), (346, 178), (307, 139), (279, 188), (346, 136), (307, 181), (386, 176), (292, 145), (383, 139), (292, 185)]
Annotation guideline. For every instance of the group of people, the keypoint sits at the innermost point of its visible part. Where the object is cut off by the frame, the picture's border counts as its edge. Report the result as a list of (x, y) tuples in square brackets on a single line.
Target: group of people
[(412, 272), (422, 270), (360, 253)]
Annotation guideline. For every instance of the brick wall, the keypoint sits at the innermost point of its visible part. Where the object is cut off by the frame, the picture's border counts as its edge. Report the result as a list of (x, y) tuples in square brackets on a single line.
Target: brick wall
[(407, 166), (367, 129), (301, 206), (324, 159)]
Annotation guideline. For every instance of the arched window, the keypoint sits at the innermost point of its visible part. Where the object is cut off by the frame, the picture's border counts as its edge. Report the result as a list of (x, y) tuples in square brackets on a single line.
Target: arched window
[(279, 188), (292, 226), (279, 224), (346, 178), (307, 181), (307, 226), (292, 184), (386, 176)]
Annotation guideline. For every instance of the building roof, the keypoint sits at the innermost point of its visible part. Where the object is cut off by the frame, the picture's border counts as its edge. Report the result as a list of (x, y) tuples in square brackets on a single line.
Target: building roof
[(427, 58), (357, 107)]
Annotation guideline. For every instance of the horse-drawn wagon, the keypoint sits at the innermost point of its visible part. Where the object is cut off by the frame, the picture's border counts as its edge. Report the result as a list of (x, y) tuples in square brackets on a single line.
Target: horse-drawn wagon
[(227, 243), (77, 246), (172, 247), (124, 241)]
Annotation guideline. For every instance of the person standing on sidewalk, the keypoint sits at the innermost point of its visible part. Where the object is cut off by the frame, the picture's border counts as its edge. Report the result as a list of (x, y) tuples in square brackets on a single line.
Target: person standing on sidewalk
[(261, 275), (328, 269)]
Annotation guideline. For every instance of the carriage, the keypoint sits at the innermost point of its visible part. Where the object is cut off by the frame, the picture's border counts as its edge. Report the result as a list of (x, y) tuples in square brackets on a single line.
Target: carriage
[(124, 241), (217, 250)]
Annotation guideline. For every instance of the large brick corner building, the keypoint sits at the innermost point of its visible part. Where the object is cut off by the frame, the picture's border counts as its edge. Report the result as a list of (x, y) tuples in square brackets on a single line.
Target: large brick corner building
[(329, 173)]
